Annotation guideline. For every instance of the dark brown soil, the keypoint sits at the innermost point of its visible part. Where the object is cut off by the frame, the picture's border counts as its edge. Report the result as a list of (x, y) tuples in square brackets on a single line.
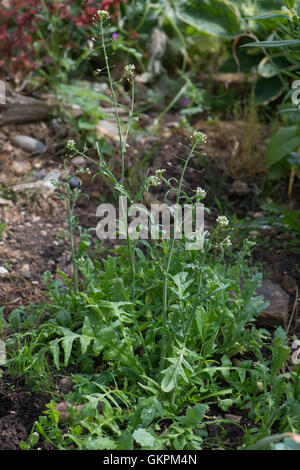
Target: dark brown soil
[(19, 409)]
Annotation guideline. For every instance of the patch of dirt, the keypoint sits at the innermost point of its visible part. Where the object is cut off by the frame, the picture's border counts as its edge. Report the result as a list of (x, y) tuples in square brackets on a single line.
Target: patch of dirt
[(19, 409)]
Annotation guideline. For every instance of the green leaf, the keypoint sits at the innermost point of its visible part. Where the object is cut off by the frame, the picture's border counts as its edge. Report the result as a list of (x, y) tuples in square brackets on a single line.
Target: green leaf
[(84, 342), (147, 416), (87, 328), (287, 444), (292, 220), (267, 5), (280, 351), (54, 348), (86, 125), (269, 16), (290, 3), (194, 415), (173, 372), (144, 438), (169, 380), (225, 403), (33, 439), (101, 443), (269, 69), (266, 441), (267, 89), (125, 441), (24, 446), (217, 17), (294, 158), (201, 320), (283, 43), (284, 141), (67, 344), (14, 319)]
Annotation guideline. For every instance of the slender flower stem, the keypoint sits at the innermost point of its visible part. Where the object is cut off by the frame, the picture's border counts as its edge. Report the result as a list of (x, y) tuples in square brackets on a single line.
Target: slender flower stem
[(122, 145), (71, 226), (131, 111), (166, 275), (122, 148)]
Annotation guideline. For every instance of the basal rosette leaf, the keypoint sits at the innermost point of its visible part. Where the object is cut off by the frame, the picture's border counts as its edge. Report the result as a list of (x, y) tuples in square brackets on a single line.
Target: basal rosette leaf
[(217, 17)]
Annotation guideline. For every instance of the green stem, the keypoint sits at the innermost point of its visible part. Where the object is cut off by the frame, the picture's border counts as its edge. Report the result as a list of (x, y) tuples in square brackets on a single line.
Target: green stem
[(122, 145), (71, 226), (171, 104), (122, 149), (166, 275)]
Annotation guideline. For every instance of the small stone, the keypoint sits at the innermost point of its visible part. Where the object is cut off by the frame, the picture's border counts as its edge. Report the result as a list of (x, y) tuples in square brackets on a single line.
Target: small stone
[(78, 161), (28, 143), (265, 227), (58, 128), (3, 271), (284, 236), (66, 384), (20, 168), (5, 202), (74, 182), (234, 418), (240, 188), (107, 129), (65, 407), (289, 284), (95, 195), (277, 311), (25, 269)]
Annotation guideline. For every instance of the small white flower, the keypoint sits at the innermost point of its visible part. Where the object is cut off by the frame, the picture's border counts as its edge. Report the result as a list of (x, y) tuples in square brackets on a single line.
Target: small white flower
[(223, 221), (129, 69), (227, 242), (199, 137), (103, 14), (90, 44), (71, 144), (154, 180), (200, 193), (159, 173)]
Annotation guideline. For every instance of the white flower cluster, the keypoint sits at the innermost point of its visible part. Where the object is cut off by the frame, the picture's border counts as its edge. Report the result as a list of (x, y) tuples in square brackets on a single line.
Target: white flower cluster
[(129, 69), (227, 242), (223, 221), (154, 180), (103, 14), (71, 144), (199, 137), (200, 193), (159, 173)]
